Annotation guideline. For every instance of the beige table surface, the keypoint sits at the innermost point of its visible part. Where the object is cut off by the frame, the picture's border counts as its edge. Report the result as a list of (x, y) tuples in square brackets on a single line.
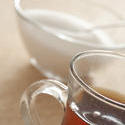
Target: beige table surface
[(16, 73)]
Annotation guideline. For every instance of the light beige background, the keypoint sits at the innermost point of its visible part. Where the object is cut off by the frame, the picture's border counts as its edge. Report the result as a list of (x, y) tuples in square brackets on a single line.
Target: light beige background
[(16, 73)]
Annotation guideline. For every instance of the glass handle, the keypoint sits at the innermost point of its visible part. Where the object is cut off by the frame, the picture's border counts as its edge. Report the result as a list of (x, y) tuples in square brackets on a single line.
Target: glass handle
[(50, 87)]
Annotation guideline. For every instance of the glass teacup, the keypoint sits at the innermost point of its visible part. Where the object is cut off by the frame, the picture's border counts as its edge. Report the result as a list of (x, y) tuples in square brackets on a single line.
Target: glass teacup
[(94, 96)]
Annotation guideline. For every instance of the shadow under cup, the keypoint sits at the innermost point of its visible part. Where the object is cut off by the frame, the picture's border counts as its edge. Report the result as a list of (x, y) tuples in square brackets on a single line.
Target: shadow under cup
[(96, 89)]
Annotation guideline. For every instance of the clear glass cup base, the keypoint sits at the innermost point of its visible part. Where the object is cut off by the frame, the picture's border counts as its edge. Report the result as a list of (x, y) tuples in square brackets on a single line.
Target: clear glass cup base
[(44, 72)]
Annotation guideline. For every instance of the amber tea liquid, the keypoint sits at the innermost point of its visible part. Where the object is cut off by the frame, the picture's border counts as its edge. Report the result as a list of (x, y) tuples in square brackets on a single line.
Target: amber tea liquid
[(91, 111)]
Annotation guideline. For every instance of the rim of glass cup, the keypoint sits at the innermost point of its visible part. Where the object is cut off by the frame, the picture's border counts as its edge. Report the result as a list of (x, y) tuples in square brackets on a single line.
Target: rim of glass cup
[(22, 14), (84, 85)]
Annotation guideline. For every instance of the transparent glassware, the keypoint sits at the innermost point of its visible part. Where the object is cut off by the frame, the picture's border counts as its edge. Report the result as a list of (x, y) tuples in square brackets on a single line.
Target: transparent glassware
[(94, 96), (55, 30)]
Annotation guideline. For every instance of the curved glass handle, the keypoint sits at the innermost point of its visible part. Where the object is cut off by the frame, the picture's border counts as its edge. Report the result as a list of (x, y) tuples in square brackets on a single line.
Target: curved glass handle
[(51, 87)]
